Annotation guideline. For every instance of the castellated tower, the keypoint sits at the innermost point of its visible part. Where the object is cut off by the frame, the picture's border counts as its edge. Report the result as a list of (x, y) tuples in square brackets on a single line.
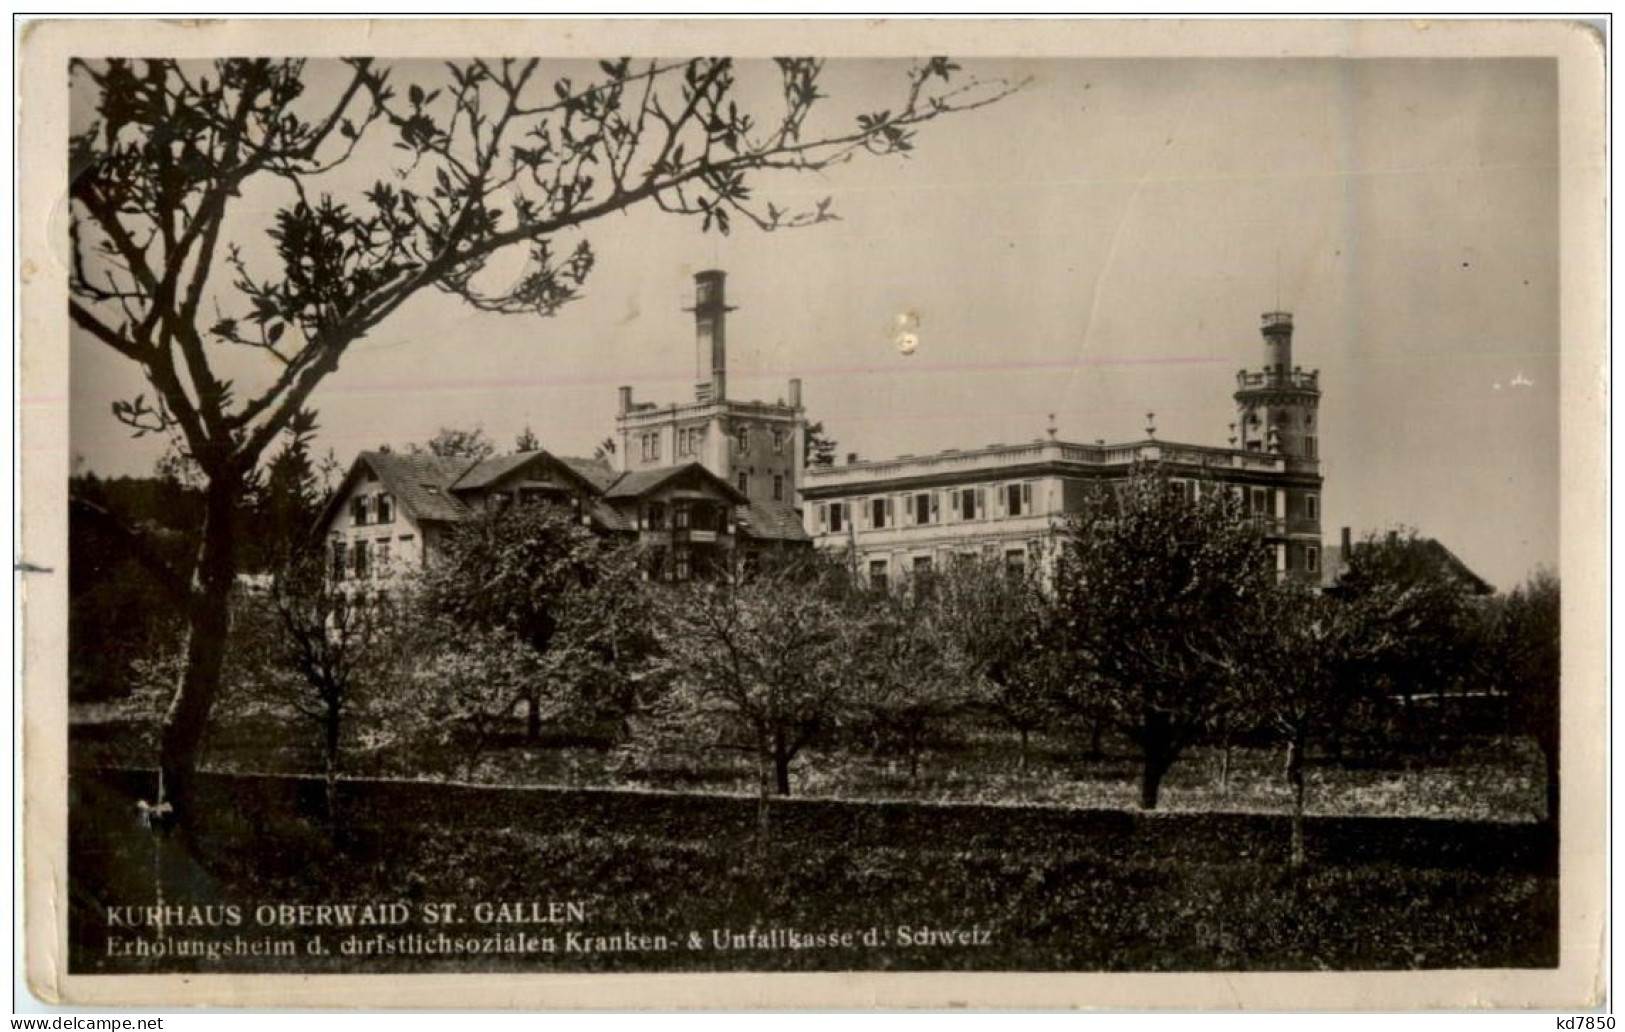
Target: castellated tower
[(1278, 413), (1277, 406)]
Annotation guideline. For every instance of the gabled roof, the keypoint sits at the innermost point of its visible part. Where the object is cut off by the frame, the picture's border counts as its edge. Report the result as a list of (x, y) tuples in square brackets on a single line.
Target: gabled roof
[(610, 518), (593, 474), (771, 521), (640, 483), (1334, 563), (487, 471), (595, 471), (1449, 561), (421, 483)]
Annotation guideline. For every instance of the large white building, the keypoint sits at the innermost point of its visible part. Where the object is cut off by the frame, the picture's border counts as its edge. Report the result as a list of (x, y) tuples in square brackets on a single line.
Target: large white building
[(905, 514)]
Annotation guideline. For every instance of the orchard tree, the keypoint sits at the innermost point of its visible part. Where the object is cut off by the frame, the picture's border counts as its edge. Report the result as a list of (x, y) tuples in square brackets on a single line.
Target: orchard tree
[(755, 661), (1152, 589), (1527, 649), (515, 570), (999, 626), (1301, 649), (1416, 608), (320, 648), (464, 689), (174, 161), (605, 651), (910, 669)]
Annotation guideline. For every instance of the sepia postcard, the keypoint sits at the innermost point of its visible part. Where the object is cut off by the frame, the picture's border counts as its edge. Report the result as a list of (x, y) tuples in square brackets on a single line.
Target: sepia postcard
[(814, 513)]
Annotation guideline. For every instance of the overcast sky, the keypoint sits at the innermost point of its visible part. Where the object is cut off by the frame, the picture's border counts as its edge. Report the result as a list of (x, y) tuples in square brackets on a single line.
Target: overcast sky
[(1098, 246)]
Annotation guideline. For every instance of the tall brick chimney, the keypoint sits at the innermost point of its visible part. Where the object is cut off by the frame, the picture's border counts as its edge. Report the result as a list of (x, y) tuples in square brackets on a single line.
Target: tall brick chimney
[(711, 326)]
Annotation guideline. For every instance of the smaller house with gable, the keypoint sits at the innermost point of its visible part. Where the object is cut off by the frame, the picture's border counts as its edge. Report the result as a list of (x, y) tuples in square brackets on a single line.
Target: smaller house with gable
[(393, 512)]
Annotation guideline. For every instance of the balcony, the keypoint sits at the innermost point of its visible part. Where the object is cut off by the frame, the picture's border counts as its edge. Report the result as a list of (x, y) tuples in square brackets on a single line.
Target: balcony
[(1297, 379)]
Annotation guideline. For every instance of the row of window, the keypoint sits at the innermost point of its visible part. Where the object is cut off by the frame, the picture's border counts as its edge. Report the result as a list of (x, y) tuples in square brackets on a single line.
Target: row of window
[(365, 558), (1016, 559), (372, 508), (1282, 417), (964, 504), (1311, 446), (1256, 501), (959, 505), (691, 442), (499, 500), (685, 516), (742, 481), (1015, 562)]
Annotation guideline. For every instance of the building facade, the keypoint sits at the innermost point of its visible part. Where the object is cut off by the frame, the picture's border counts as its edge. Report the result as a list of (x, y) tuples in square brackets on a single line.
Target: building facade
[(717, 479), (756, 446), (897, 516), (393, 512), (697, 484)]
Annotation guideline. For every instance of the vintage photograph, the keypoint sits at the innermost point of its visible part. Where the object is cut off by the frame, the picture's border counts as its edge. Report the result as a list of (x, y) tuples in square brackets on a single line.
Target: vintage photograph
[(539, 514)]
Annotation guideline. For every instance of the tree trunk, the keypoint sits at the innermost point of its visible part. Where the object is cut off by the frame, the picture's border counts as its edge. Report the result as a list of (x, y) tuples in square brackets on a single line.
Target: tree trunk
[(208, 621), (533, 717), (1553, 785), (1151, 781), (781, 764), (913, 740), (1334, 734), (1294, 776), (763, 818), (1021, 758), (330, 756), (1157, 744), (1224, 760)]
